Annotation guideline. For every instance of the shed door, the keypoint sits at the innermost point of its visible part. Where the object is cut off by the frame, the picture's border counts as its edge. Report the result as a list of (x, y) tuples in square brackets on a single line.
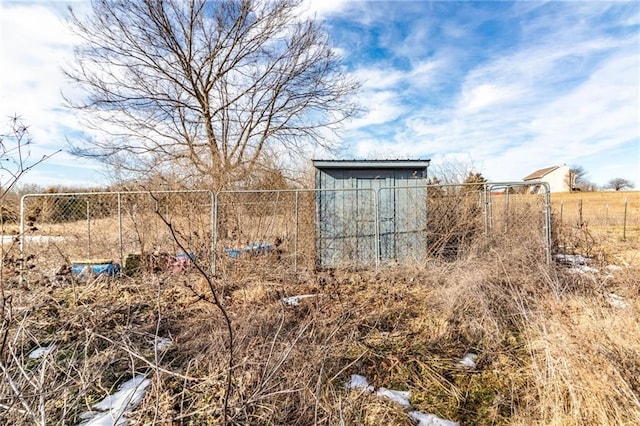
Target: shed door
[(346, 212), (403, 218)]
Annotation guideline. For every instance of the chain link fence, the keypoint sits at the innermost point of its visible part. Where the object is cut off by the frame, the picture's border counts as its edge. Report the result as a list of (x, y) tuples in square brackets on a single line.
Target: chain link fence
[(516, 219), (258, 229), (451, 221), (364, 228), (282, 231), (129, 229)]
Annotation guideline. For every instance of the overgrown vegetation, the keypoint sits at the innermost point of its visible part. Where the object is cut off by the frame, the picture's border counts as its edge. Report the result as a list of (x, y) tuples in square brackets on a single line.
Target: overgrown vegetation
[(552, 346)]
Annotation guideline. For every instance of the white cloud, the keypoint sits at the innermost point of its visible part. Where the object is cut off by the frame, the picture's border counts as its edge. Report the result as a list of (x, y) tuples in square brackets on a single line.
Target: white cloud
[(568, 93), (424, 73), (385, 91), (376, 78), (566, 90), (322, 8), (381, 107), (35, 43), (487, 95), (604, 107)]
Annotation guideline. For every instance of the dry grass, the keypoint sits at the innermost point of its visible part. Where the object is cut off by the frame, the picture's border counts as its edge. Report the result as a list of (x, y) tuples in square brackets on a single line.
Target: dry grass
[(594, 223), (551, 349), (600, 211), (583, 358)]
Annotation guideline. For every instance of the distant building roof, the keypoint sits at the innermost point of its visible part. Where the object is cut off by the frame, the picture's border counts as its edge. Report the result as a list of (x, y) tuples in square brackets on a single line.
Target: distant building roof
[(538, 174)]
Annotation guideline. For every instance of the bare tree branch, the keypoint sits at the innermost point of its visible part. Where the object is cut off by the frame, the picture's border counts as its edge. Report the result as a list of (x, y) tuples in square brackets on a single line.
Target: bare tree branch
[(217, 302), (205, 85), (14, 155)]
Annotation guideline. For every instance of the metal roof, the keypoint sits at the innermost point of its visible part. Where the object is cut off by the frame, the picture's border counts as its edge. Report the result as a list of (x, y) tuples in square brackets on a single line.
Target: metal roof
[(371, 164), (540, 173)]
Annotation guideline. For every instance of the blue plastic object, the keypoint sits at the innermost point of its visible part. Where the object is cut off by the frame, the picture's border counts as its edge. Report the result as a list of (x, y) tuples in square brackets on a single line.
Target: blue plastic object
[(252, 248), (183, 255), (111, 269), (233, 252)]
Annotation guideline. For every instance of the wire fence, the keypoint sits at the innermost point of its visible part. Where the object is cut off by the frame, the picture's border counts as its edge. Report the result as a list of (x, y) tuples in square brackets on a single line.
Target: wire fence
[(618, 211), (125, 228), (282, 230)]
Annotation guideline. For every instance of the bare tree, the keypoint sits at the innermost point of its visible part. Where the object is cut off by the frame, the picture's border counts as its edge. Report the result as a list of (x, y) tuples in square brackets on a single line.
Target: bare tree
[(15, 161), (577, 179), (201, 89), (619, 183), (453, 171), (22, 396)]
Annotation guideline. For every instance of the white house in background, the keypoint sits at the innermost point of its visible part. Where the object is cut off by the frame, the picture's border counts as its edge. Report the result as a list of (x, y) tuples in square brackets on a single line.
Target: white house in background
[(558, 178)]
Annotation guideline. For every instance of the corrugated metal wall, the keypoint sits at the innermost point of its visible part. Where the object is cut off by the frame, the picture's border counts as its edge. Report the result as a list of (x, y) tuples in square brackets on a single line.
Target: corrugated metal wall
[(352, 200)]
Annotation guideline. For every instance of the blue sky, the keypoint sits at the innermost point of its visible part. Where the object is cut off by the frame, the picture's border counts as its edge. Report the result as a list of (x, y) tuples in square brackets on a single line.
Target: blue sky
[(505, 87)]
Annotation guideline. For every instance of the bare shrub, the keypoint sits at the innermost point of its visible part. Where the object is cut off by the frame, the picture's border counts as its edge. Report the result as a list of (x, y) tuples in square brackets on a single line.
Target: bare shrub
[(454, 220)]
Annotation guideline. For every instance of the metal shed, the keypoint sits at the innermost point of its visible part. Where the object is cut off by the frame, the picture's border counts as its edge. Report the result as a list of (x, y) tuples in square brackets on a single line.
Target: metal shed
[(369, 211)]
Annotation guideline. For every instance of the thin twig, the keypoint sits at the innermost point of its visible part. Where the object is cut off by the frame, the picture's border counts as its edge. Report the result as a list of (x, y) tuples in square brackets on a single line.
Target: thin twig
[(216, 301), (17, 392), (146, 361)]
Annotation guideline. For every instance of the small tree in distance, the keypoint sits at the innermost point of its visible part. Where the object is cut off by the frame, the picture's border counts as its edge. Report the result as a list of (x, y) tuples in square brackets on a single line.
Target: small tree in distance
[(15, 158), (476, 179), (619, 183)]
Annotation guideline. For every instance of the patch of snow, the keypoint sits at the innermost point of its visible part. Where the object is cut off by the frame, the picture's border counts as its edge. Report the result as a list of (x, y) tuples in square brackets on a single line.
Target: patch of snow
[(469, 360), (295, 300), (102, 419), (400, 397), (424, 419), (582, 269), (572, 259), (41, 351), (614, 268), (359, 382), (617, 301), (162, 343), (112, 408)]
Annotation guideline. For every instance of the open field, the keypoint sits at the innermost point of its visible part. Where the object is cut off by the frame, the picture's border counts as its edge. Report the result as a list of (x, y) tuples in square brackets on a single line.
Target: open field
[(605, 223), (602, 208)]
